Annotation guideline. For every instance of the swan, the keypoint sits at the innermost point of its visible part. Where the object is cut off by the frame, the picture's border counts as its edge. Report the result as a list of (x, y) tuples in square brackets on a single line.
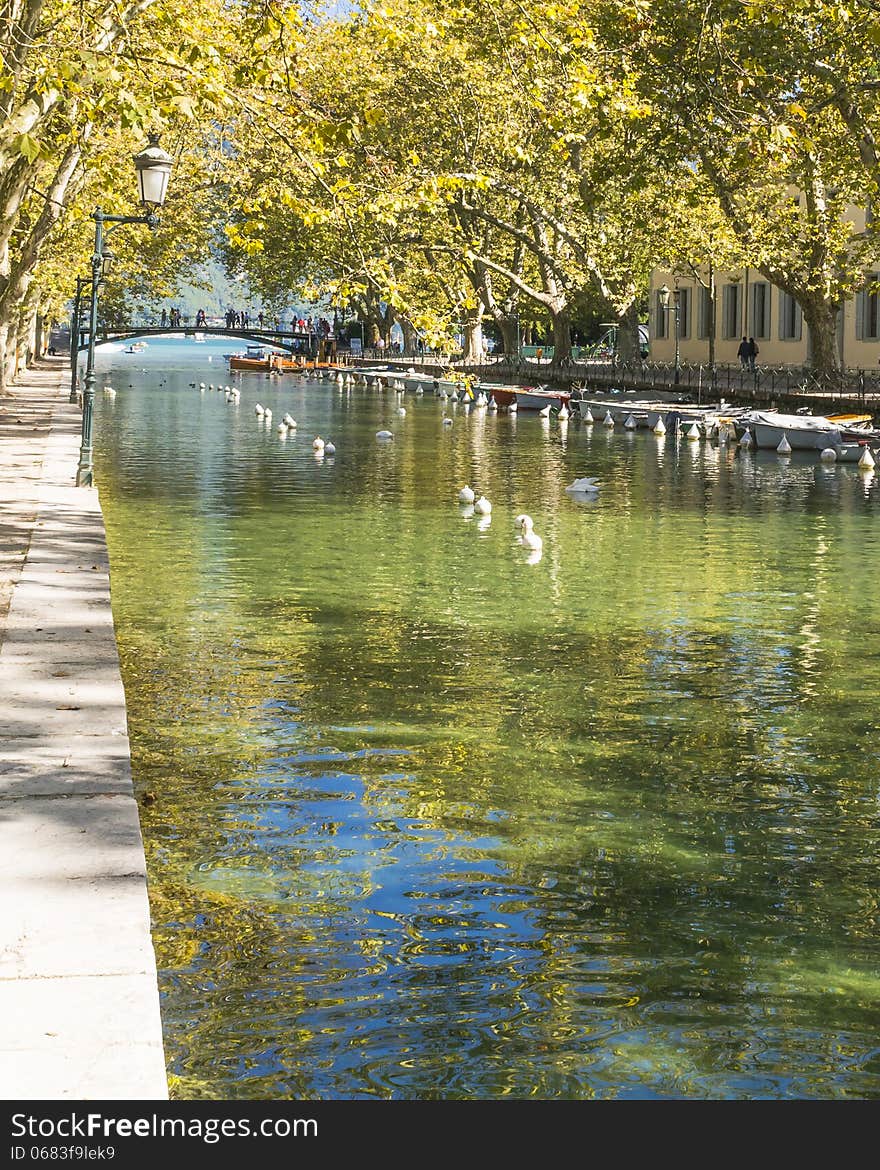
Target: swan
[(467, 495), (528, 537), (318, 443), (289, 421), (267, 414), (586, 483), (259, 409), (281, 428), (401, 411), (482, 506)]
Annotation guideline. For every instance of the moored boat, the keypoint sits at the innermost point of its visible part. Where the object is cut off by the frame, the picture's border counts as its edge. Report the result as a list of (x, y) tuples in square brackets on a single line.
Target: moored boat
[(525, 397), (809, 432)]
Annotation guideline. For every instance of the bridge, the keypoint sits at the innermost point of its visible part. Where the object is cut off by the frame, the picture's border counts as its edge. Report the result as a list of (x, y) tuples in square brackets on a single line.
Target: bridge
[(291, 340)]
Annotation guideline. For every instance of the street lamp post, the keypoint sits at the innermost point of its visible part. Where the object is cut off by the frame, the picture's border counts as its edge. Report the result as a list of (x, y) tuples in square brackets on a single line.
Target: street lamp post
[(81, 282), (675, 310), (153, 167)]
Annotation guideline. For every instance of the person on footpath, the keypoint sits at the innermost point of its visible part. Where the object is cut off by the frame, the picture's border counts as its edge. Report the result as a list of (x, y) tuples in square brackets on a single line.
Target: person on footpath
[(753, 352), (743, 353)]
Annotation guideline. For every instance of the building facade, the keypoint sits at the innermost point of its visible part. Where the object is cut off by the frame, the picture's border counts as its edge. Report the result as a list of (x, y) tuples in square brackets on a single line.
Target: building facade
[(745, 304)]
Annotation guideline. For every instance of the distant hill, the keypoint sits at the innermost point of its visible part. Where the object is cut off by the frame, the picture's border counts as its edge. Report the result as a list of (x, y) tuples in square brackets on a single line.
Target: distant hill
[(215, 292)]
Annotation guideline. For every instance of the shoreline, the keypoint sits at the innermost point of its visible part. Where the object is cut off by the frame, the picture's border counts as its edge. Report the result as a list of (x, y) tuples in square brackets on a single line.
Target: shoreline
[(78, 980)]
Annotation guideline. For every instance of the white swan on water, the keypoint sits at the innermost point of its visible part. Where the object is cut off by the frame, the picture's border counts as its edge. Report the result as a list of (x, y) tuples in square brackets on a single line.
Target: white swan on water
[(586, 484), (482, 506), (528, 537), (467, 495)]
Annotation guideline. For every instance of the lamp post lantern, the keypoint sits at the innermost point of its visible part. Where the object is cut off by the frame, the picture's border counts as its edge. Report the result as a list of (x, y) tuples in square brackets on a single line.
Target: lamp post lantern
[(674, 308), (153, 168)]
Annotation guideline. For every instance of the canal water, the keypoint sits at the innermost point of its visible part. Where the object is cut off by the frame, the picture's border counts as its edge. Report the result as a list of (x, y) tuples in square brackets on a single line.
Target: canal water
[(429, 817)]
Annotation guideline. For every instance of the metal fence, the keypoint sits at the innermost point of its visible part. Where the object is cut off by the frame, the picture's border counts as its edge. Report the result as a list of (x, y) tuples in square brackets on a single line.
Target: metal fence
[(699, 382)]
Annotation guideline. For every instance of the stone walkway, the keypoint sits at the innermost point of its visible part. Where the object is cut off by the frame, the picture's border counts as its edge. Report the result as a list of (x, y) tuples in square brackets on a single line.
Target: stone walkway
[(78, 989)]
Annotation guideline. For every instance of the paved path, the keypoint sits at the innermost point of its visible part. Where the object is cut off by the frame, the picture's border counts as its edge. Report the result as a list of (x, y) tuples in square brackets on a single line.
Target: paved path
[(79, 1003)]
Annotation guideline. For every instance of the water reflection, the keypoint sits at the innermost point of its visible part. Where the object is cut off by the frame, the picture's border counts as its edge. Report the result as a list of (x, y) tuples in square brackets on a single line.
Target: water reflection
[(434, 819)]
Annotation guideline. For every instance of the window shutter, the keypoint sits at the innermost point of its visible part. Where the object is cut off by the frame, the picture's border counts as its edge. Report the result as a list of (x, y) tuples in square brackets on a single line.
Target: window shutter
[(798, 322), (782, 310), (861, 306)]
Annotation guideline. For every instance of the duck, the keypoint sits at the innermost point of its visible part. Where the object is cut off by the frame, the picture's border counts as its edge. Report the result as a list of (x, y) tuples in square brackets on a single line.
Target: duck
[(329, 448), (467, 495), (482, 506), (318, 443), (289, 421), (528, 537)]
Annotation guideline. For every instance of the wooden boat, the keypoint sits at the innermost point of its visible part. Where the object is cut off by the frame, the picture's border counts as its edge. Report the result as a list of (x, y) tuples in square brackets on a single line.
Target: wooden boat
[(806, 432), (256, 358), (525, 397)]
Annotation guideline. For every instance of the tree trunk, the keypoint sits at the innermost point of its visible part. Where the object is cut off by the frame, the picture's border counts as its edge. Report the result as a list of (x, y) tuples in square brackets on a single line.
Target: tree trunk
[(509, 334), (561, 335), (629, 342), (5, 378), (820, 317), (473, 334)]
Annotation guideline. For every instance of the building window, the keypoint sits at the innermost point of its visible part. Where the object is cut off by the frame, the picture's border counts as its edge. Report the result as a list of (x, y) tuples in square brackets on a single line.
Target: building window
[(868, 309), (760, 309), (704, 316), (789, 318), (684, 312), (662, 319), (730, 310)]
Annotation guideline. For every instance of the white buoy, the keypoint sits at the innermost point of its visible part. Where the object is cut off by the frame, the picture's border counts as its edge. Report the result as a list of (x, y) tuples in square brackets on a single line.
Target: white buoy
[(866, 460), (513, 407), (564, 412), (784, 447), (467, 495), (401, 410), (746, 441), (447, 422), (318, 443), (384, 435), (828, 455), (329, 448), (608, 420), (630, 423), (693, 432), (587, 416), (281, 428), (258, 409), (482, 506), (420, 389), (659, 427)]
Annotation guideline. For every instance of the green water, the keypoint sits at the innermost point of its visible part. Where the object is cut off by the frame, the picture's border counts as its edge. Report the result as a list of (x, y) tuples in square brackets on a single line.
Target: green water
[(426, 820)]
